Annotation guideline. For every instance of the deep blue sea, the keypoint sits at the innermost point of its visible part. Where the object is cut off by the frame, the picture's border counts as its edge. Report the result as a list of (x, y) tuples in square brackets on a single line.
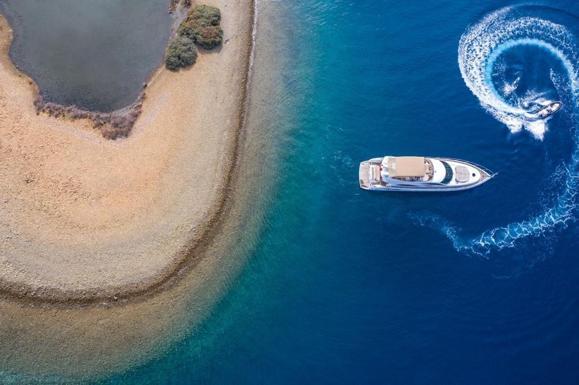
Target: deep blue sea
[(351, 287), (345, 286)]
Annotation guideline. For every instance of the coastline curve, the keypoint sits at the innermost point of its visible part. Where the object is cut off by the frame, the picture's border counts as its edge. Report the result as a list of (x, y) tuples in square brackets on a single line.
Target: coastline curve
[(191, 238)]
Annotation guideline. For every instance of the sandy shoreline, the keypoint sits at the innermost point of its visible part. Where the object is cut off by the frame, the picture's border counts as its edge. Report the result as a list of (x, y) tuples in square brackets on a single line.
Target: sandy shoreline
[(86, 220), (68, 343)]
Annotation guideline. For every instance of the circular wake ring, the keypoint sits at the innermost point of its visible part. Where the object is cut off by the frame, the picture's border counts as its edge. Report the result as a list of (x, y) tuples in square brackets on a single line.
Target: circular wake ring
[(479, 48)]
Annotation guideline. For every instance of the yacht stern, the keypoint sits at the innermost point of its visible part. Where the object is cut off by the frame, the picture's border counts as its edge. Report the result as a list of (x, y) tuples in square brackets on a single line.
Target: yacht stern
[(369, 175)]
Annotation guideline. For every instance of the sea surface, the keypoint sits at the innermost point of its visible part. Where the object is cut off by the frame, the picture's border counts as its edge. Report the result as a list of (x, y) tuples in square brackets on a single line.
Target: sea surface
[(350, 287)]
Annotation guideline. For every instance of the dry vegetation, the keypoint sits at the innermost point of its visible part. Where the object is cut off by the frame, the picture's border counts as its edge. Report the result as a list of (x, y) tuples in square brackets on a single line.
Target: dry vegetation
[(200, 28), (112, 125)]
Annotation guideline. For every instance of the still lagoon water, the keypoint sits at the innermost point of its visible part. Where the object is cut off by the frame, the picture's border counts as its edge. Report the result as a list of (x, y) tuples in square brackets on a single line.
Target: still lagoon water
[(93, 54), (349, 287)]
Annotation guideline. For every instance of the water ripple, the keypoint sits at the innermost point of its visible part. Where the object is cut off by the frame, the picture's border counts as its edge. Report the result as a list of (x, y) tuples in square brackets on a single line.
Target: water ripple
[(479, 49)]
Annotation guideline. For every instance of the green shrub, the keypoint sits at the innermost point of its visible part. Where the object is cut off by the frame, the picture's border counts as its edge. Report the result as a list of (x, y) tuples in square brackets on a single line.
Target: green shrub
[(205, 15), (181, 53), (202, 26)]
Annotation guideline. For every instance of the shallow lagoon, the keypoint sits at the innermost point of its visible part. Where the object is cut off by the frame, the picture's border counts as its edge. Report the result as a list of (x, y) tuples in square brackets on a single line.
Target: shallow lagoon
[(94, 54)]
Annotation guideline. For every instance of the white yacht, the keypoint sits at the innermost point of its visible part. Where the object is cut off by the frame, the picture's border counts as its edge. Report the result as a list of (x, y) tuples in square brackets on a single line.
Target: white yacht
[(413, 173)]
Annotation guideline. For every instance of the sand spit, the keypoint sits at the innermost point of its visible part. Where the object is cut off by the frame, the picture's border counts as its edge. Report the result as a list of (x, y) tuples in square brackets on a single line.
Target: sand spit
[(64, 343), (84, 219), (68, 343)]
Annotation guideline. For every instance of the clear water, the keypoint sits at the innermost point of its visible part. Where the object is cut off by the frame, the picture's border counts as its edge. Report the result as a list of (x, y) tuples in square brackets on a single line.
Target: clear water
[(349, 287), (93, 54)]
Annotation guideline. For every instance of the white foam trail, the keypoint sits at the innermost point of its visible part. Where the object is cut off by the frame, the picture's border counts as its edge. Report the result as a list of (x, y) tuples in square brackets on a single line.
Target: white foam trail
[(509, 88), (479, 49), (483, 44)]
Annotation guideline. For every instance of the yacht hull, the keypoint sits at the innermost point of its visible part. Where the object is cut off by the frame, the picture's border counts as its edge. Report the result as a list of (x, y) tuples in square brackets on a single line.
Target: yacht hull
[(370, 178)]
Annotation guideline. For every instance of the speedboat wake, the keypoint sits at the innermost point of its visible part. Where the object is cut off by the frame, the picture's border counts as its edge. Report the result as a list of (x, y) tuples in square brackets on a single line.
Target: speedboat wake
[(479, 49)]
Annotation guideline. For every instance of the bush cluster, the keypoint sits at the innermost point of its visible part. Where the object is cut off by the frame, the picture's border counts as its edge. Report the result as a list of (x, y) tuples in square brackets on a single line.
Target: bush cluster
[(202, 28), (181, 53)]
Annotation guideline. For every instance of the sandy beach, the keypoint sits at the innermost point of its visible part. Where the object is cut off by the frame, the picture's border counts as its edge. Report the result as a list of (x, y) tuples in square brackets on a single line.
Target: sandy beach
[(71, 341), (83, 218)]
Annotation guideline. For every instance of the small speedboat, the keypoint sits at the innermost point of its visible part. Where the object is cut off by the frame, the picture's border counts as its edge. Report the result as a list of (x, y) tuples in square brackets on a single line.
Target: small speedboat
[(413, 173), (543, 109)]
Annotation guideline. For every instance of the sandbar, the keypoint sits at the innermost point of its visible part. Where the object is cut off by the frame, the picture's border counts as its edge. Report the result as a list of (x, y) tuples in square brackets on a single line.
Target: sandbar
[(85, 219)]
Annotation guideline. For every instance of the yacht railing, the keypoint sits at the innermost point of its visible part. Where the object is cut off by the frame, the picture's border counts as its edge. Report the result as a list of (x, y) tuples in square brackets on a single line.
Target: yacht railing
[(485, 169)]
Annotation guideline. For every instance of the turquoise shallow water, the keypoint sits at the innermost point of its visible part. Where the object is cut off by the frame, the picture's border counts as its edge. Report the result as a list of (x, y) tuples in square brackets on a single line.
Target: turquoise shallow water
[(347, 287)]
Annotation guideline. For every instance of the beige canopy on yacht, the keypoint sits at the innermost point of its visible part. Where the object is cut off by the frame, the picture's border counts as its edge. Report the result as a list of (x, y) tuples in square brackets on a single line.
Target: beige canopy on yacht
[(406, 166)]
